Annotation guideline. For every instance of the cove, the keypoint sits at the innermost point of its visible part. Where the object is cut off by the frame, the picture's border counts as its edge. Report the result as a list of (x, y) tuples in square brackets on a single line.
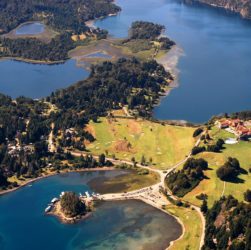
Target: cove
[(32, 28), (114, 225), (37, 80), (215, 67)]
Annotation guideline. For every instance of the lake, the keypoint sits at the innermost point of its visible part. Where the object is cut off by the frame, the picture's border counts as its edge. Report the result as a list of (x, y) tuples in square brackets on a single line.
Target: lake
[(114, 225), (215, 67), (37, 80), (33, 28)]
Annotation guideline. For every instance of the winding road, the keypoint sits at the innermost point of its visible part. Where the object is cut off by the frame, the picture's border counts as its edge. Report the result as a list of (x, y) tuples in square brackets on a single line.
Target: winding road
[(151, 195)]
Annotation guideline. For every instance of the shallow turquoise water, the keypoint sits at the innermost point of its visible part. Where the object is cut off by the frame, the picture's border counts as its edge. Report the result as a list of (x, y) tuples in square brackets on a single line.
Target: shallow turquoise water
[(115, 225), (30, 29), (215, 69), (37, 80)]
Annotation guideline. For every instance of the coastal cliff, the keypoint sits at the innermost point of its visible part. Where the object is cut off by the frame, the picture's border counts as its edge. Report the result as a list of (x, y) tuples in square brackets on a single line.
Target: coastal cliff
[(243, 7)]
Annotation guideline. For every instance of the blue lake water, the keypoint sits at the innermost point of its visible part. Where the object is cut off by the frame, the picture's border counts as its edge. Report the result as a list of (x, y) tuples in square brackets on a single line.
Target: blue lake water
[(114, 225), (215, 69), (37, 80), (30, 29)]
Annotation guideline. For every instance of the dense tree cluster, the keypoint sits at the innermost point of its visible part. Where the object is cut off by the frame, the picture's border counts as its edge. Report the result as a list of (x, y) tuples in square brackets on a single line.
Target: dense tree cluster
[(72, 205), (31, 48), (110, 86), (216, 148), (60, 14), (230, 170), (145, 30), (183, 181), (228, 225), (143, 36), (22, 137)]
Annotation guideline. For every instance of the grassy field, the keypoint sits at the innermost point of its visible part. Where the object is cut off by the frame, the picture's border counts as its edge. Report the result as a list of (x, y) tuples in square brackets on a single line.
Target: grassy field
[(213, 186), (192, 224), (164, 145)]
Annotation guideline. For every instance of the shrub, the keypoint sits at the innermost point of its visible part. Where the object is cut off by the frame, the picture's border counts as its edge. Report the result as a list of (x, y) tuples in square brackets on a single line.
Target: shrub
[(230, 170), (196, 150), (197, 132), (247, 195)]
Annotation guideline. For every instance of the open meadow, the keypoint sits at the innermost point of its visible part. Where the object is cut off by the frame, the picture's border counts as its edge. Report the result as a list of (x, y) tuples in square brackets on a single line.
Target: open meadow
[(213, 186), (162, 146)]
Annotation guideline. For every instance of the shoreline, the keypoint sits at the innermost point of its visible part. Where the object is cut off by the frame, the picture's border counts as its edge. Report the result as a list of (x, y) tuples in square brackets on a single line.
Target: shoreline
[(32, 61), (28, 182), (58, 213), (170, 62), (160, 209)]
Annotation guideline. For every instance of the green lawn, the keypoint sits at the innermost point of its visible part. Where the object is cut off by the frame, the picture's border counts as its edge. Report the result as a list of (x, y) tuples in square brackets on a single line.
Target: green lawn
[(213, 186), (127, 138), (191, 220)]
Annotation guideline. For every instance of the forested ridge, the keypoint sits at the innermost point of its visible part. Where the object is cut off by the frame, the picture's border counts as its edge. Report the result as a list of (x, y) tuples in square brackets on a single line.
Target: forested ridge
[(243, 7)]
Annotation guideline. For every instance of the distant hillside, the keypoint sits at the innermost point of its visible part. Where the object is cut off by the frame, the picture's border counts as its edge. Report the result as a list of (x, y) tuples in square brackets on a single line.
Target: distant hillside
[(243, 7)]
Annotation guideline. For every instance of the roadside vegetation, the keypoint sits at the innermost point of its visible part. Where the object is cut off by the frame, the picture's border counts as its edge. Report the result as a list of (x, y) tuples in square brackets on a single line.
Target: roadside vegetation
[(186, 179)]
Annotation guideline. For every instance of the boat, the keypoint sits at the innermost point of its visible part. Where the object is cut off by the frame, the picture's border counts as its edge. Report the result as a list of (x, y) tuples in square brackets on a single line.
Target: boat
[(62, 193), (48, 209), (54, 200)]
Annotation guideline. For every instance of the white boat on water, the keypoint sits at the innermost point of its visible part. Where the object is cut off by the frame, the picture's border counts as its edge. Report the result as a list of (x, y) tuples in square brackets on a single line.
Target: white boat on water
[(62, 193), (48, 209), (54, 200)]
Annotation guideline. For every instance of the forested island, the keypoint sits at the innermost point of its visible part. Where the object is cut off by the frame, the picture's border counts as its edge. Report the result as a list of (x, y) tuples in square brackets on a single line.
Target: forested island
[(71, 208)]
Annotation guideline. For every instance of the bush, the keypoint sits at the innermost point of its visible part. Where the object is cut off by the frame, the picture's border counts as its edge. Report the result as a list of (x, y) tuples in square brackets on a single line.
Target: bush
[(230, 170), (197, 132), (247, 195), (196, 150)]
